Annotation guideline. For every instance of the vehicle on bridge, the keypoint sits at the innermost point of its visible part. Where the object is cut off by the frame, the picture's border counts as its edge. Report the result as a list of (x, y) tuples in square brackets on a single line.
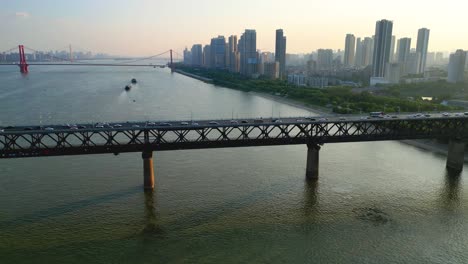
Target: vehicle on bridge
[(376, 114)]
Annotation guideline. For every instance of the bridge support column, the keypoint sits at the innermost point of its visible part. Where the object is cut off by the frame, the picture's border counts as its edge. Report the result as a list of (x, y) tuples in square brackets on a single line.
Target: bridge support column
[(456, 155), (148, 172), (312, 169)]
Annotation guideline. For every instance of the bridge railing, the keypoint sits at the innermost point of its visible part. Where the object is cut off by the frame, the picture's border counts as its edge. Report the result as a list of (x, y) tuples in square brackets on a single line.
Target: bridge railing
[(116, 140)]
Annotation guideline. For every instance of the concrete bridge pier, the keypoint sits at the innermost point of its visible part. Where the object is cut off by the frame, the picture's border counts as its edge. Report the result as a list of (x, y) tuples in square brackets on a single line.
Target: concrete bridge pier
[(148, 172), (312, 169), (456, 155)]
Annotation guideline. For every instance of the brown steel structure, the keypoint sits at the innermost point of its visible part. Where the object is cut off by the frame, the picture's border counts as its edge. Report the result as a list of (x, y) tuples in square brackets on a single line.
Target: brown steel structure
[(143, 138)]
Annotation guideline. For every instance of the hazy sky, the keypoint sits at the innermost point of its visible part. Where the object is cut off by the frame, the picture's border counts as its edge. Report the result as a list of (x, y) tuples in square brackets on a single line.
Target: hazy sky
[(144, 27)]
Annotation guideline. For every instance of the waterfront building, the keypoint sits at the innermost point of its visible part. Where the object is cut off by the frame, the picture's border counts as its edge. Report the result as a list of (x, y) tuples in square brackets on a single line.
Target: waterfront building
[(187, 57), (413, 63), (248, 52), (233, 54), (403, 53), (421, 47), (207, 56), (197, 55), (367, 51), (382, 46), (392, 49), (456, 67), (350, 47), (218, 52), (358, 57), (280, 52), (297, 79), (271, 69)]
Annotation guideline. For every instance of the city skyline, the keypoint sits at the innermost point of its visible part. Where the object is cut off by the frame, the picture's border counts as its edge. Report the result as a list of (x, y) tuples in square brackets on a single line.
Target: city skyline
[(144, 27)]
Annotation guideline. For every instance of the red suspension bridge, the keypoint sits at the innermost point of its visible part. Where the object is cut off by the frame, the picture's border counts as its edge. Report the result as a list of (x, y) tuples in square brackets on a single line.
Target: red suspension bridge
[(51, 60)]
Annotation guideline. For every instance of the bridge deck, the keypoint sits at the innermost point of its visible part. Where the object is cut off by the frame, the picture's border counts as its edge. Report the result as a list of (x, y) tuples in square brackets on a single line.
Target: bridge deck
[(79, 139)]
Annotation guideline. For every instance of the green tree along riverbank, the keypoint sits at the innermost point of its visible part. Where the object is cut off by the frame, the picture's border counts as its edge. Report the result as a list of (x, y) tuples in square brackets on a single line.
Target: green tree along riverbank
[(440, 90), (339, 99)]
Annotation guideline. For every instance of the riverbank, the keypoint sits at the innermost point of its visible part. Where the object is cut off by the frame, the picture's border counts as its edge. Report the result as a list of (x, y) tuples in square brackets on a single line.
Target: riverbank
[(428, 145), (198, 77), (316, 109)]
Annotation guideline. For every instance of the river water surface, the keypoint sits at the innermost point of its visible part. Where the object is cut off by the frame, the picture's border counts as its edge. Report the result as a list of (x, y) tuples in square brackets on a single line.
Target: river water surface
[(378, 202)]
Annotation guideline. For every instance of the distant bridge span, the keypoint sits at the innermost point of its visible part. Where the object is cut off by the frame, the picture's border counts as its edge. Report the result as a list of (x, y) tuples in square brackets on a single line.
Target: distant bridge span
[(24, 65), (146, 137), (89, 64)]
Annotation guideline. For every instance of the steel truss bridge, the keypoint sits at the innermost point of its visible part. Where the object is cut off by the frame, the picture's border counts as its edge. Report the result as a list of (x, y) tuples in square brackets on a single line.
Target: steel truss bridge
[(146, 137)]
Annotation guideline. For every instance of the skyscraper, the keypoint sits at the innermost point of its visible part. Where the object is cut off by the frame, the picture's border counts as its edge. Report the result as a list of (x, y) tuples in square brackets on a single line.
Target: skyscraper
[(367, 51), (358, 57), (248, 52), (403, 50), (233, 54), (197, 55), (350, 46), (187, 56), (280, 52), (207, 56), (421, 47), (403, 54), (218, 52), (456, 67), (382, 43), (392, 49)]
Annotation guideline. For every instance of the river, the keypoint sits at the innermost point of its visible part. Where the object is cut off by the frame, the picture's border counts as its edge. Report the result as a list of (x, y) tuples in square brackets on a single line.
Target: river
[(376, 202)]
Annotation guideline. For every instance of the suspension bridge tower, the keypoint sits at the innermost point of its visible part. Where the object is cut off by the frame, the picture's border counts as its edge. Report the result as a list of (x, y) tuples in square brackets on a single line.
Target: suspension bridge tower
[(23, 65), (172, 65)]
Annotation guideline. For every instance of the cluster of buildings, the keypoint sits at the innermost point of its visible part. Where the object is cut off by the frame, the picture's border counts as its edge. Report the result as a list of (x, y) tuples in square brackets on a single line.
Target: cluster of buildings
[(240, 55), (40, 56), (382, 58), (388, 65)]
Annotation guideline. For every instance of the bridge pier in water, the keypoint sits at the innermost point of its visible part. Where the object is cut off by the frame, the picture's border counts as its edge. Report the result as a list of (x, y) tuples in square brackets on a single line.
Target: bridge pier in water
[(312, 169), (148, 172), (456, 155)]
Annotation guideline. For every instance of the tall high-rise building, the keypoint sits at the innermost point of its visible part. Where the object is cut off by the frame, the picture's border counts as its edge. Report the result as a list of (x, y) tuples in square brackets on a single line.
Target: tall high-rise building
[(218, 52), (382, 43), (392, 49), (350, 47), (187, 56), (421, 47), (403, 50), (367, 51), (197, 55), (233, 54), (403, 54), (280, 52), (207, 56), (248, 52), (358, 57), (324, 59), (456, 67)]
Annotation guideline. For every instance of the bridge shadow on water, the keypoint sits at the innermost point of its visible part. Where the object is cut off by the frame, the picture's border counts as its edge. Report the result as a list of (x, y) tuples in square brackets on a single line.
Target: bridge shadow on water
[(311, 198), (152, 223), (68, 208), (450, 192)]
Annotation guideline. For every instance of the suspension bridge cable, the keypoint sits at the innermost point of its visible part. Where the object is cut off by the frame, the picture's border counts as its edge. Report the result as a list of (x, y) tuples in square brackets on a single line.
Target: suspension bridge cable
[(12, 49), (142, 59)]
